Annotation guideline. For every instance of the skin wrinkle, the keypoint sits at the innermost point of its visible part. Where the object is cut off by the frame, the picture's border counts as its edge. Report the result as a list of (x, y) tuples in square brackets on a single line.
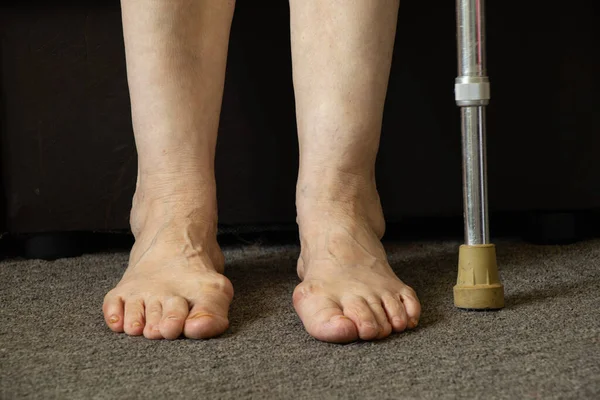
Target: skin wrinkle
[(151, 245)]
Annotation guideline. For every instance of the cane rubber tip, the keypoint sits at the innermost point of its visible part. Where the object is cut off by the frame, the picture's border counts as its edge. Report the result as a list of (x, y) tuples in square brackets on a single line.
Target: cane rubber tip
[(478, 286)]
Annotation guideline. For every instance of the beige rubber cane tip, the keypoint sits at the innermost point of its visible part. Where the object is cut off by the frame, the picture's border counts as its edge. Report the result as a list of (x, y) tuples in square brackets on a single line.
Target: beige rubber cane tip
[(478, 286)]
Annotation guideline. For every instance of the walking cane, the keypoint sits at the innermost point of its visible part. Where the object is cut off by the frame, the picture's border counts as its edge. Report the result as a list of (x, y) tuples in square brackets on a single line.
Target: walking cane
[(478, 285)]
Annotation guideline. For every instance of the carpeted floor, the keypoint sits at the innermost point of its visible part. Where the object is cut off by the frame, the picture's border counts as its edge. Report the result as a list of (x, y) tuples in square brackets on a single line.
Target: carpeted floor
[(544, 345)]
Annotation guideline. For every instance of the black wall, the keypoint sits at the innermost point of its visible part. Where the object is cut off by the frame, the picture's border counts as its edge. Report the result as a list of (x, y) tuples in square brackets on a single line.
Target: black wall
[(68, 156)]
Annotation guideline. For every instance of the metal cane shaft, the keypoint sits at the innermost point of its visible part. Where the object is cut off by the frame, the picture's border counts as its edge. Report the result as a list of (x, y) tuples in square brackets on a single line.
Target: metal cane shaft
[(474, 175), (472, 95), (470, 21)]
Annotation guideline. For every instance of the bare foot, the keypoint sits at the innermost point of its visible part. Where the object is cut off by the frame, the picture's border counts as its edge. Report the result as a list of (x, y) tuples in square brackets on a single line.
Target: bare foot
[(174, 283), (349, 291)]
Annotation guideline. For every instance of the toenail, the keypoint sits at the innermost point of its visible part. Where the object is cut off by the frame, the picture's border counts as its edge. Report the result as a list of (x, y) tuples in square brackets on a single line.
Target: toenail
[(136, 324), (397, 320), (200, 315), (414, 322), (113, 319)]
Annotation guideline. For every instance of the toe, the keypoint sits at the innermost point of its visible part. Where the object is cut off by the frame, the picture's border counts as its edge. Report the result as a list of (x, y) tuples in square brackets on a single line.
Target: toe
[(113, 312), (153, 316), (208, 316), (357, 309), (395, 312), (134, 317), (174, 312), (381, 317), (203, 323), (412, 306), (324, 319)]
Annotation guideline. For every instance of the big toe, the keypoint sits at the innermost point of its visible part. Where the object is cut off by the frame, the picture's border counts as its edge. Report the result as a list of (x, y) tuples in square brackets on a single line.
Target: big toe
[(203, 325), (324, 319), (208, 316)]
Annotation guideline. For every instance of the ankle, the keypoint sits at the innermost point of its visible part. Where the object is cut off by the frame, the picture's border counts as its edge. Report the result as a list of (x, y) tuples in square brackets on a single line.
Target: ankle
[(184, 221), (326, 183), (178, 199), (344, 197)]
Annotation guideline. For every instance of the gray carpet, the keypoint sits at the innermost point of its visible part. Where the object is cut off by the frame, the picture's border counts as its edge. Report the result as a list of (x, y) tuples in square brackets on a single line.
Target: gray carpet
[(544, 345)]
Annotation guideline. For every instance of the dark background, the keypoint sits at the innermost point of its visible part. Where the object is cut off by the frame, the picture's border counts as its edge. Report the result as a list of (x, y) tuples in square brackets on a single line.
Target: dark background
[(68, 158)]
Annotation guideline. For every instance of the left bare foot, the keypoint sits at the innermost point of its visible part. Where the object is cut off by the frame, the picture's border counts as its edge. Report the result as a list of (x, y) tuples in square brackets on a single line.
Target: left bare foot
[(348, 290)]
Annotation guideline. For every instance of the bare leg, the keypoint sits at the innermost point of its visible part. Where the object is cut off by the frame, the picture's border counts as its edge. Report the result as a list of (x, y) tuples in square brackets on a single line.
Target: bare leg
[(342, 53), (176, 54)]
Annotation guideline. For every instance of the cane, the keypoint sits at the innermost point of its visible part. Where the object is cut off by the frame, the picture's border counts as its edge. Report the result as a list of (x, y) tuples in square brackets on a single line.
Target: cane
[(478, 285)]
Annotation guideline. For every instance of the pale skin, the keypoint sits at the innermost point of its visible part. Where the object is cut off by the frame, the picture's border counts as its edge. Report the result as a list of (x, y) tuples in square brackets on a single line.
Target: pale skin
[(174, 285)]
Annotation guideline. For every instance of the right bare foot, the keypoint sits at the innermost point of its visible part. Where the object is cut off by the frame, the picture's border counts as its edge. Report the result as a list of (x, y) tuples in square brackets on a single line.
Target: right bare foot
[(174, 283)]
